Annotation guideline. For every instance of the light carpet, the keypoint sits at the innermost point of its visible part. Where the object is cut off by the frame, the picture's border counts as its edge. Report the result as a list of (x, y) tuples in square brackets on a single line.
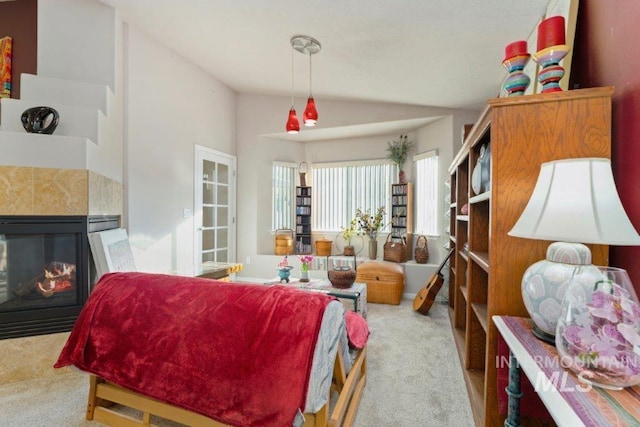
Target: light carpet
[(413, 379)]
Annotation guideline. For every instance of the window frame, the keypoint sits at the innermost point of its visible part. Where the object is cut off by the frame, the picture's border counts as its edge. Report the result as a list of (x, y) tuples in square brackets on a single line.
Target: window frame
[(276, 197)]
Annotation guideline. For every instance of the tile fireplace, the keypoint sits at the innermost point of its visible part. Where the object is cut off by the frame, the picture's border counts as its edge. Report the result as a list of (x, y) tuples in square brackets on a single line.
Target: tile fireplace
[(46, 271)]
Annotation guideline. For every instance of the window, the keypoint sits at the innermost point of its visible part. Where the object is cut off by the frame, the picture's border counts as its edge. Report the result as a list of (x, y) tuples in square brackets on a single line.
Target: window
[(341, 188), (427, 193), (284, 182)]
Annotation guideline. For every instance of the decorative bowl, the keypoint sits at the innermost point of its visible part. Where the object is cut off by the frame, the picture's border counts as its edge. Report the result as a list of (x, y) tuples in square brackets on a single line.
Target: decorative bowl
[(342, 277)]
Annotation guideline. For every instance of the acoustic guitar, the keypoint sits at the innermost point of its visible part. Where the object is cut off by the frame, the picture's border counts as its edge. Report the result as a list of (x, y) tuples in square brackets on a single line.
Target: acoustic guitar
[(424, 299)]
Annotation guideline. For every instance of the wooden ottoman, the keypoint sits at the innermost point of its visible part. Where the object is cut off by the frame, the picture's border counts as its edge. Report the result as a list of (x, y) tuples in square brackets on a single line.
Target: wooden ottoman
[(385, 281)]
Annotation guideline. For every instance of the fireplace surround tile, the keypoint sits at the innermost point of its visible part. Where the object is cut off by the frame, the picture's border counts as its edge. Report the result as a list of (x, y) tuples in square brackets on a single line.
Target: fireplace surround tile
[(105, 195), (48, 191), (60, 192), (16, 190)]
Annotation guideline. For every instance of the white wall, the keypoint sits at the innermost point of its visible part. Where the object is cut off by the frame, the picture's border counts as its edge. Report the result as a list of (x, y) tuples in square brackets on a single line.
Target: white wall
[(171, 105), (77, 41)]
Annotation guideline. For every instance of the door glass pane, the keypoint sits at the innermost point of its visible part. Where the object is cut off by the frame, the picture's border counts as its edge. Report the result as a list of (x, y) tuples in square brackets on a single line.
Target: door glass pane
[(208, 256), (223, 174), (222, 256), (208, 171), (223, 195), (223, 215), (221, 241), (208, 237), (207, 216), (207, 194)]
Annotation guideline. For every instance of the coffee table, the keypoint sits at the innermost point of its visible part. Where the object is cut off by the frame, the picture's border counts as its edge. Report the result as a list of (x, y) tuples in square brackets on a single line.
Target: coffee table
[(357, 293)]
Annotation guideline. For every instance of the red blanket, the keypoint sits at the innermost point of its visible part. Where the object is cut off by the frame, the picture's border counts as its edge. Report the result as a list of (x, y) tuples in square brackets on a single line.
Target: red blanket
[(238, 353)]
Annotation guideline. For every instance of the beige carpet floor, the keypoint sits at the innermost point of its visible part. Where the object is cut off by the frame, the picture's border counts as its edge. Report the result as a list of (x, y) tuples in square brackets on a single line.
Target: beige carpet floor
[(414, 379)]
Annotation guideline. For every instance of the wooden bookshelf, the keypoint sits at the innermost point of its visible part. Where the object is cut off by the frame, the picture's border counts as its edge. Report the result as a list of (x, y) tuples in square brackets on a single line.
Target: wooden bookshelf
[(303, 220), (402, 214), (487, 267)]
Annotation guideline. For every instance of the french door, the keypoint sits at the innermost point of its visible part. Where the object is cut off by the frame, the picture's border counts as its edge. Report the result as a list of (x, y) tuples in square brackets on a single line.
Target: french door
[(215, 206)]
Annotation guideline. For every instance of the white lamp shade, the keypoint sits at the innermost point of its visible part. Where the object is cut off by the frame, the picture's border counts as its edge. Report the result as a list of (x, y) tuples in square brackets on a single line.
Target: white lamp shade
[(575, 200)]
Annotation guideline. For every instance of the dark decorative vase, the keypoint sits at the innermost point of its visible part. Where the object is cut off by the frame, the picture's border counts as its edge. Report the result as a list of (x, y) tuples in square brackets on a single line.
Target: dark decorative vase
[(40, 120), (342, 277)]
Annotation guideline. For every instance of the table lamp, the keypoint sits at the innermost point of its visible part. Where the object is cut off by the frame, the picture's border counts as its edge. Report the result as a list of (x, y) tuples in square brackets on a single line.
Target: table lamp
[(574, 201)]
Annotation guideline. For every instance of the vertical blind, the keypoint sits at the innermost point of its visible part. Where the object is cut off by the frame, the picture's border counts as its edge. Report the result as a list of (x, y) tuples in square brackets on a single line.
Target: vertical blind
[(341, 188), (427, 193), (284, 181)]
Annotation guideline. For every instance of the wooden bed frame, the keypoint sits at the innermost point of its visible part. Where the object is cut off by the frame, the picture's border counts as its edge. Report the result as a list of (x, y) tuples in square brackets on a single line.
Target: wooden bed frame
[(103, 395)]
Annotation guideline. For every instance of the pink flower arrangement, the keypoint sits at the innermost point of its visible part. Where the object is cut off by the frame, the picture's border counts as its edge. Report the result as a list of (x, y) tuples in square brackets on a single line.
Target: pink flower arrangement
[(306, 261), (600, 340)]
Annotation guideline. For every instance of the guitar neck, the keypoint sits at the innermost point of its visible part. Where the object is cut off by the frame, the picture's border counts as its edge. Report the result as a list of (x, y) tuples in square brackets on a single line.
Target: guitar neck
[(444, 261)]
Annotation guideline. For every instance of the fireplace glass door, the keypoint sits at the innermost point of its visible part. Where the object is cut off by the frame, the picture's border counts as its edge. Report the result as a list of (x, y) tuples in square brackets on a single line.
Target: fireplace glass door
[(38, 271), (44, 278)]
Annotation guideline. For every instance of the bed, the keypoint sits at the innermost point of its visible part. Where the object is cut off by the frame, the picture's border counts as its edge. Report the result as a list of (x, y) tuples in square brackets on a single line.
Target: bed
[(202, 352)]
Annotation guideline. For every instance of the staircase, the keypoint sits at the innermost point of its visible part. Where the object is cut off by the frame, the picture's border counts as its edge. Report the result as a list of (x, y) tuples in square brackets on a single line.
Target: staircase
[(85, 138)]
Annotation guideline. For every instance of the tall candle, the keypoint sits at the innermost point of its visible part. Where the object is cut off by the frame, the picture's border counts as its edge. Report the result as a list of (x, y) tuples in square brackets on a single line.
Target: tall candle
[(516, 48), (551, 32)]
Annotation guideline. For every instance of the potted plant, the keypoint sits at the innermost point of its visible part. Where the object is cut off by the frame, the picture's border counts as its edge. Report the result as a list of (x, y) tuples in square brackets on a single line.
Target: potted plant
[(371, 225), (398, 150), (348, 233)]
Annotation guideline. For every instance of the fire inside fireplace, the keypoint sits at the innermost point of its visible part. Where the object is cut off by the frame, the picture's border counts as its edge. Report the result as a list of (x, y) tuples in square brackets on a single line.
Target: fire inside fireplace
[(46, 272)]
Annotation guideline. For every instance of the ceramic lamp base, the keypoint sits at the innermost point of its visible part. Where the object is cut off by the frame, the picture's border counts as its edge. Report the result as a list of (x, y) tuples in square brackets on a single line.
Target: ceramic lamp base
[(545, 282), (542, 335)]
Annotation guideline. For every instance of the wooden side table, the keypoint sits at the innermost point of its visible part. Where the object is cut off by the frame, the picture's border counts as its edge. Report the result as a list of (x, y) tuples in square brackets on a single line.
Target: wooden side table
[(213, 270), (569, 401)]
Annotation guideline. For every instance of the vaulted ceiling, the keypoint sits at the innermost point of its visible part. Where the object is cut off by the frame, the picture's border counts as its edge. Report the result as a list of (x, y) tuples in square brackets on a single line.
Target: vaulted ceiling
[(439, 53)]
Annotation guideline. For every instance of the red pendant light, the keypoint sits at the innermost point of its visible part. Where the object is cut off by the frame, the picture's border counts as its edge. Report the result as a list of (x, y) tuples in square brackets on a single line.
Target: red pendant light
[(308, 46), (310, 113), (293, 126)]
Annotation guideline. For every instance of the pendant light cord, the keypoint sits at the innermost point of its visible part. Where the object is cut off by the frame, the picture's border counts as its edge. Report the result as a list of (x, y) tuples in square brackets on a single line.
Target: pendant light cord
[(310, 71), (292, 78)]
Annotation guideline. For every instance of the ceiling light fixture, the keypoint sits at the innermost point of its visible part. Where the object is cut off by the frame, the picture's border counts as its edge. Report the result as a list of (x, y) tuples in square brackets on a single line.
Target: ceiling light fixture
[(308, 46), (293, 125)]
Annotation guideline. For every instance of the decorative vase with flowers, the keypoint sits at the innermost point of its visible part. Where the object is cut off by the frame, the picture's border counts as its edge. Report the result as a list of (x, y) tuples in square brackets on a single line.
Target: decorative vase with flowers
[(398, 150), (305, 263), (349, 233), (371, 225), (598, 331)]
